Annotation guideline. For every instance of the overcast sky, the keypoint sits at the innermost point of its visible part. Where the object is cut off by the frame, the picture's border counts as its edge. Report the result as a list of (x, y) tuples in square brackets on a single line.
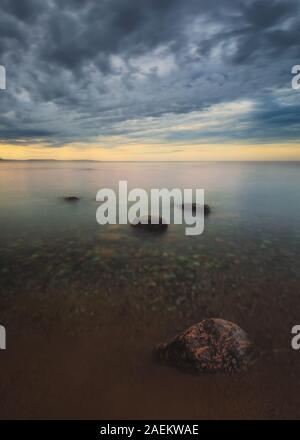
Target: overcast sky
[(152, 79)]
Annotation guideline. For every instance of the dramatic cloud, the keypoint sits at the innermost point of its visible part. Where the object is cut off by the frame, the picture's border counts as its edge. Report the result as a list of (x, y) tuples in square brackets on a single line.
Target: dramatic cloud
[(168, 70)]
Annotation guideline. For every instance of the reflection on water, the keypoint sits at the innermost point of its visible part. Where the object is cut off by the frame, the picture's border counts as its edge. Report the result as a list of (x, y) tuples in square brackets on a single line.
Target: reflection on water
[(255, 194), (254, 220), (255, 212), (63, 274)]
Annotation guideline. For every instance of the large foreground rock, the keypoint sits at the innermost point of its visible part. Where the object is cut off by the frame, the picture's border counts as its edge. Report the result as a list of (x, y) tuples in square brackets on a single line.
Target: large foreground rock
[(212, 346)]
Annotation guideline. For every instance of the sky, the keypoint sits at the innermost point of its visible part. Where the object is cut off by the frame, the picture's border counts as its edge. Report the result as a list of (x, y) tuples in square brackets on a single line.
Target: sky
[(150, 79)]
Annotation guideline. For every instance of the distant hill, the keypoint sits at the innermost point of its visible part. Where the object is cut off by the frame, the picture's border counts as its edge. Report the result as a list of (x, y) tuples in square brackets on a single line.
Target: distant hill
[(49, 160)]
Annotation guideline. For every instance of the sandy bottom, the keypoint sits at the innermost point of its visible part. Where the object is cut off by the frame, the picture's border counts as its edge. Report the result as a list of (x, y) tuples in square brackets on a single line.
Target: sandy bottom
[(97, 362)]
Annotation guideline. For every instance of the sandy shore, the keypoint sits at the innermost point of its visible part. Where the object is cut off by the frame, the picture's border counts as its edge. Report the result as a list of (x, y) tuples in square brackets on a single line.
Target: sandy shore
[(89, 355)]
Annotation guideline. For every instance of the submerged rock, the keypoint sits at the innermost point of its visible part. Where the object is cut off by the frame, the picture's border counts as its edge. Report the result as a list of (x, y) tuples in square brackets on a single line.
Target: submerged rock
[(150, 223), (71, 199), (194, 206), (211, 346)]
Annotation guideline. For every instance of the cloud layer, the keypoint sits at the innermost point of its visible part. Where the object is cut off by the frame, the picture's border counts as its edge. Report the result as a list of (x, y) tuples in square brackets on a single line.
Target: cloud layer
[(93, 70)]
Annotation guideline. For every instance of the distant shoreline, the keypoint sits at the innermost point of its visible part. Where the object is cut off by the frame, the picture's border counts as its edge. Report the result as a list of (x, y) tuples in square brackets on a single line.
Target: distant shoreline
[(149, 161)]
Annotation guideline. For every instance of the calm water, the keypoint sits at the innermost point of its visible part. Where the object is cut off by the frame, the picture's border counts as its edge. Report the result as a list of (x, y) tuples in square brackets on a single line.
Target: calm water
[(121, 291), (254, 223), (258, 195)]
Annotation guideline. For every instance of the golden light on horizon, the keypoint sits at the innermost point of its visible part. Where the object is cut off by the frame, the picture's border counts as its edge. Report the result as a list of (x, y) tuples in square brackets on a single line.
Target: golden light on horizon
[(154, 152)]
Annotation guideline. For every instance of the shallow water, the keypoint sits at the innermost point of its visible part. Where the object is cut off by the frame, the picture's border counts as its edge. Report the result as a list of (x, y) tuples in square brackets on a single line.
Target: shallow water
[(255, 216), (256, 193), (63, 276)]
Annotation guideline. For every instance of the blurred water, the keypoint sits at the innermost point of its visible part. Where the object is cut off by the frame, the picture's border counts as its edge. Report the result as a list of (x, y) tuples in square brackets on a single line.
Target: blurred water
[(63, 274), (257, 195)]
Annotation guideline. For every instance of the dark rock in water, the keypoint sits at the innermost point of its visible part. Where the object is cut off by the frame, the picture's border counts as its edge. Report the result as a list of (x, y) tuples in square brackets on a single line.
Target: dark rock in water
[(150, 223), (206, 209), (194, 206), (211, 346), (71, 199)]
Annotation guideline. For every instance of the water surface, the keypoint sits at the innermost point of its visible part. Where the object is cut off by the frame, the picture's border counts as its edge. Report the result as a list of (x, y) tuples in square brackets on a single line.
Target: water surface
[(103, 296)]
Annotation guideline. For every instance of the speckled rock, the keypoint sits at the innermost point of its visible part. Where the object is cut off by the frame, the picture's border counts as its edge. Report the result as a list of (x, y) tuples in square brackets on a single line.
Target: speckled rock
[(150, 223), (211, 346)]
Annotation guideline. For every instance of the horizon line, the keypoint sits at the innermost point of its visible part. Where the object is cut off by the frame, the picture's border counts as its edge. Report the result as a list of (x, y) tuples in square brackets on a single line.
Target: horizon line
[(143, 161)]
